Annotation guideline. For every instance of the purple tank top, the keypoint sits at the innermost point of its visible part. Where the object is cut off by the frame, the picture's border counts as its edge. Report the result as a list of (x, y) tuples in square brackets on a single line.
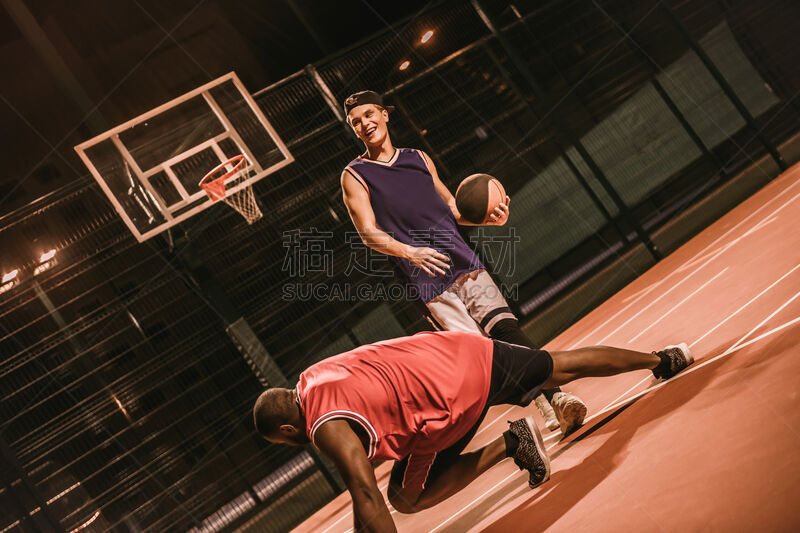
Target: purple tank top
[(407, 207)]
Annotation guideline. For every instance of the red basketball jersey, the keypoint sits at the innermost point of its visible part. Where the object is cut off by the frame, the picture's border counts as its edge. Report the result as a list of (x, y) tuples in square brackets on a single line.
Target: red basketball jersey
[(416, 394)]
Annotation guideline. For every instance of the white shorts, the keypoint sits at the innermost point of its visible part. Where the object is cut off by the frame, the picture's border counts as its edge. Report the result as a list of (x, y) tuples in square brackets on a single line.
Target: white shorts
[(472, 303)]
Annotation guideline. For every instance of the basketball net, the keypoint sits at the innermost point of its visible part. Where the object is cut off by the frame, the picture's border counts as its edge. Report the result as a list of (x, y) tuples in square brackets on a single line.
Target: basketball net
[(227, 175)]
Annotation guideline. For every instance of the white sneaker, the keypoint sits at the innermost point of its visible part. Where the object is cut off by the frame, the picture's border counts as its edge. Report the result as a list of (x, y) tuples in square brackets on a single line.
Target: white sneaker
[(549, 415), (569, 410)]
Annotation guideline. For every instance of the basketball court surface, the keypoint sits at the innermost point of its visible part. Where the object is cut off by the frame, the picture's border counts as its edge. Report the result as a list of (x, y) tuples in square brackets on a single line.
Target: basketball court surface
[(134, 348), (717, 448)]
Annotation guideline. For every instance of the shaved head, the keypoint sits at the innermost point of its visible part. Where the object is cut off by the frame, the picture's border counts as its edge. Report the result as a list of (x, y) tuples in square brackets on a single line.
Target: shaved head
[(277, 417)]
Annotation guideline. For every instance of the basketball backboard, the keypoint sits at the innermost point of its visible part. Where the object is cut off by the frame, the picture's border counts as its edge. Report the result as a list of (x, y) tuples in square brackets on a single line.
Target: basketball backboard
[(150, 166)]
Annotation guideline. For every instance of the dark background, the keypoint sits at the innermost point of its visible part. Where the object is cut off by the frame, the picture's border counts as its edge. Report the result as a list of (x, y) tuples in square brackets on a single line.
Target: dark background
[(124, 397), (130, 56)]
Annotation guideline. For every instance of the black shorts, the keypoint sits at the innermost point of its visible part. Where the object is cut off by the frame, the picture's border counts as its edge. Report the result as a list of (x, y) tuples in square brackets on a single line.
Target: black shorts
[(518, 373)]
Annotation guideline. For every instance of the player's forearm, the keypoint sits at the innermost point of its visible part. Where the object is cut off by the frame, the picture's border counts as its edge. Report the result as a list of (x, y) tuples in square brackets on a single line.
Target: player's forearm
[(370, 511), (382, 242)]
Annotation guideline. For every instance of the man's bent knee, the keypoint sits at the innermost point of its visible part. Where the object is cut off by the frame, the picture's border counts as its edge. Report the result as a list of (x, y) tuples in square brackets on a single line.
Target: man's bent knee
[(402, 500)]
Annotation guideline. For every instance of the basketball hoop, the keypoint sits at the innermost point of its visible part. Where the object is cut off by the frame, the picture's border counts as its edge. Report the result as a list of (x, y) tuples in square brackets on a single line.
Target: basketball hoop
[(243, 200)]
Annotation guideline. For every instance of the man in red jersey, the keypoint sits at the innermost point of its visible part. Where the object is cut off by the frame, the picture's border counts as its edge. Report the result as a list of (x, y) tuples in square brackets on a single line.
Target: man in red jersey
[(419, 401)]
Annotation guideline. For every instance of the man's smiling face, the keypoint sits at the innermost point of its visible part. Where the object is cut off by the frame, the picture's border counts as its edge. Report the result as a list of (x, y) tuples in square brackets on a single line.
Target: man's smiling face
[(369, 123)]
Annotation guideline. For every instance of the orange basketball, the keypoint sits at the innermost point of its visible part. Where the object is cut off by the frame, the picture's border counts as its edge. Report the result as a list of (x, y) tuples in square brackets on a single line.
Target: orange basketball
[(477, 196)]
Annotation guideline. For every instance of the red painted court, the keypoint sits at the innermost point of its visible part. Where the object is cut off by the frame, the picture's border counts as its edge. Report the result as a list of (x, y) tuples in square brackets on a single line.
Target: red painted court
[(715, 449)]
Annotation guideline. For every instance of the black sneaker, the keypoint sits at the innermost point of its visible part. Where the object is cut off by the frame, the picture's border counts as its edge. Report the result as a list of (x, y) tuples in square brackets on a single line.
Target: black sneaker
[(673, 360), (531, 454)]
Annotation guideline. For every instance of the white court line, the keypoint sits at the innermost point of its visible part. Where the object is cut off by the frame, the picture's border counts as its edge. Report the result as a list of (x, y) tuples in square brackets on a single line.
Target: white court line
[(626, 401), (745, 305), (624, 394), (756, 297), (663, 316), (487, 426), (556, 436), (778, 310), (345, 515), (700, 253), (769, 219), (617, 404), (655, 301), (476, 499), (713, 255), (763, 335)]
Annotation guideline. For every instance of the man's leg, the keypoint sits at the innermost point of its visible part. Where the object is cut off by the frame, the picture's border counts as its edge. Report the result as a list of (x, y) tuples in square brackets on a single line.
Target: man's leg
[(568, 411), (485, 303), (517, 374), (596, 361), (448, 474)]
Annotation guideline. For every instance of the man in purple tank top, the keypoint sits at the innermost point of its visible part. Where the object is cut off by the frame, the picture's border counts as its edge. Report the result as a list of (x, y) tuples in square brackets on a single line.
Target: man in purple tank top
[(401, 208)]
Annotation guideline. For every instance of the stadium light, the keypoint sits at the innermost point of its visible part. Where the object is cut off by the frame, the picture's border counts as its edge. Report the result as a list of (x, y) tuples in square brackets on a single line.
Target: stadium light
[(426, 36), (45, 262), (9, 280), (405, 64), (11, 275)]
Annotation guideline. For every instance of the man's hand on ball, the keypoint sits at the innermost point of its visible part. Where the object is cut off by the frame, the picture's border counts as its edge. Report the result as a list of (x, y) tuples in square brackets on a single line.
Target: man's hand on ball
[(500, 214)]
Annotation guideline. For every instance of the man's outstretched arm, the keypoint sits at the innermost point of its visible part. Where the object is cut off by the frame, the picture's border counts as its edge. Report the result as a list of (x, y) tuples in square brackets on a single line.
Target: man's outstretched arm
[(337, 440)]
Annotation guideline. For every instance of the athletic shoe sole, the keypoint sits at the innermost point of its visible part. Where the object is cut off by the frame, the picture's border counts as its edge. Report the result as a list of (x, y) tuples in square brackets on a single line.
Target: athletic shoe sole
[(573, 413), (539, 442)]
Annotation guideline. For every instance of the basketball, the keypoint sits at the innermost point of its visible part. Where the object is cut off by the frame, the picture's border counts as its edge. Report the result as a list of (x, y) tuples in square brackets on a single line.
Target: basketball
[(477, 196)]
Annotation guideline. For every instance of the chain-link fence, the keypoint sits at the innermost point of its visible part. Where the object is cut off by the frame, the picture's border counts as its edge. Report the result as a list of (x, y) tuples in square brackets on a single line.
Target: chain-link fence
[(126, 407)]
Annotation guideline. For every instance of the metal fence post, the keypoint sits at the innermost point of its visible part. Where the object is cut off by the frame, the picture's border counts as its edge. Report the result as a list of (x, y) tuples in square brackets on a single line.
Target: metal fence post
[(253, 351), (723, 83), (637, 49), (577, 173), (44, 520), (327, 95), (568, 133)]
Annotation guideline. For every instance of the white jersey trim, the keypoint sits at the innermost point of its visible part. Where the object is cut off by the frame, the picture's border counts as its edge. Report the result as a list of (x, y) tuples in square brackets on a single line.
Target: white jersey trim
[(388, 163), (350, 415)]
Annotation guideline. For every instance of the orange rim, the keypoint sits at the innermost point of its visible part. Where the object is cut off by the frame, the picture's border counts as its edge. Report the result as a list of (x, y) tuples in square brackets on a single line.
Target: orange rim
[(215, 187)]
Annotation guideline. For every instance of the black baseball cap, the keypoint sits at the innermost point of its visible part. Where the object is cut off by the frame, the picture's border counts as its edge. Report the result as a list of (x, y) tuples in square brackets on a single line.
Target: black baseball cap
[(365, 97)]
